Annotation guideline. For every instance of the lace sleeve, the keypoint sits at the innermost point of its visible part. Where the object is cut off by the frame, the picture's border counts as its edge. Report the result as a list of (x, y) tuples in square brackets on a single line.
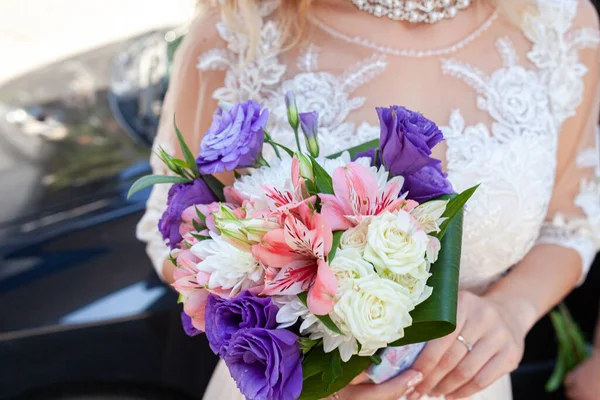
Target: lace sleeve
[(189, 98), (574, 212)]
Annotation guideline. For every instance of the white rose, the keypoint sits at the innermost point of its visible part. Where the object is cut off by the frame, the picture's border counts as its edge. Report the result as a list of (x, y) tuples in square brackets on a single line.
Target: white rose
[(291, 309), (349, 264), (416, 286), (396, 243), (230, 267), (356, 237), (375, 312), (430, 214)]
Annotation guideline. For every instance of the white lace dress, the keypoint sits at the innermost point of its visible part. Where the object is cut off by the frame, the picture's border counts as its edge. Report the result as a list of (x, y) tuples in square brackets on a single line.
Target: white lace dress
[(519, 106)]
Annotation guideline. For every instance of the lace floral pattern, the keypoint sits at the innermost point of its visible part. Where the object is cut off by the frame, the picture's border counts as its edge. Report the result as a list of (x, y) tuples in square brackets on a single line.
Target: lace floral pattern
[(527, 108)]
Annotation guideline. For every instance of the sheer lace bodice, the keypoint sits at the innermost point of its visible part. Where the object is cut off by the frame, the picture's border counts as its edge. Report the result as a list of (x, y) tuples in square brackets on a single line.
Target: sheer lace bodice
[(519, 120), (518, 106)]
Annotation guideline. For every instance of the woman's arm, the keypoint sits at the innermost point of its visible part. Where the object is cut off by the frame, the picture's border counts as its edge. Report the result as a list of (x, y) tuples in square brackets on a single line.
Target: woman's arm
[(496, 323), (189, 100)]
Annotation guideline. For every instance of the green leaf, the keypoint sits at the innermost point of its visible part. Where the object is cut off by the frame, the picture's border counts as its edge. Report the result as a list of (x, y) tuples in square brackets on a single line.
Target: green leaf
[(310, 188), (322, 179), (306, 344), (201, 216), (289, 151), (325, 319), (150, 180), (185, 150), (200, 237), (337, 236), (358, 149), (197, 226), (314, 363), (215, 186), (314, 366), (436, 316), (334, 370), (454, 206)]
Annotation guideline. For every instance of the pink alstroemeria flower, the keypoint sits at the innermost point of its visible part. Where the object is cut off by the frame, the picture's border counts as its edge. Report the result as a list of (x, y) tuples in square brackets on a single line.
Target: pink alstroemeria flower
[(295, 259), (191, 283), (357, 197), (283, 202)]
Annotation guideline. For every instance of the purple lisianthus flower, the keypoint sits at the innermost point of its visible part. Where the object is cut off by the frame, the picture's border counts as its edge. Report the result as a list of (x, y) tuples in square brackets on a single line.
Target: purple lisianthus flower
[(188, 327), (182, 196), (234, 140), (406, 140), (309, 122), (266, 364), (427, 183), (225, 317)]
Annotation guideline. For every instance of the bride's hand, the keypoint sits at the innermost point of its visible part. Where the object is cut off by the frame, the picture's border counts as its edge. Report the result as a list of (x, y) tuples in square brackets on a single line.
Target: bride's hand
[(496, 338), (390, 390)]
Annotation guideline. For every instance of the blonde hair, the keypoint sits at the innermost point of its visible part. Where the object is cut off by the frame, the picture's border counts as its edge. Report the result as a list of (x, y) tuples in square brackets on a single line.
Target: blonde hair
[(243, 15)]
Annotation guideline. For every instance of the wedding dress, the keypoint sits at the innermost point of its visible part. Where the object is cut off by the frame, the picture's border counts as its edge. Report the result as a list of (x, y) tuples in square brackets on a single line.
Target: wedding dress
[(518, 106)]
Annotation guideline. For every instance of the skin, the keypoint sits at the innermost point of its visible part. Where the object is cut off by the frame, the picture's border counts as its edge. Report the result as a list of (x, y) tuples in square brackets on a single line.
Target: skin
[(495, 322), (584, 382)]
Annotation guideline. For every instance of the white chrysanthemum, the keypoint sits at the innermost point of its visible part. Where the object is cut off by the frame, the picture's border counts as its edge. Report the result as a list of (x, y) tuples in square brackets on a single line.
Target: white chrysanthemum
[(349, 265), (356, 238), (375, 312), (396, 244), (230, 267), (278, 175), (291, 309)]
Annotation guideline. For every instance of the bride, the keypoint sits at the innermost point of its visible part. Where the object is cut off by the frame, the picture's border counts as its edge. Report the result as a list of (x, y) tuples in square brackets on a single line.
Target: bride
[(515, 84)]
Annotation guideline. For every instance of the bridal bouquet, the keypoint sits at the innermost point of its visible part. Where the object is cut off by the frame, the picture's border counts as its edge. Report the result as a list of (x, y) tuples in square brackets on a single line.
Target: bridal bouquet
[(304, 269)]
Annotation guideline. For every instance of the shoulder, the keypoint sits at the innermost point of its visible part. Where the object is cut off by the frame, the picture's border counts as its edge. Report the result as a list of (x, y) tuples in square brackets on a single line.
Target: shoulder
[(567, 13), (587, 14), (201, 37)]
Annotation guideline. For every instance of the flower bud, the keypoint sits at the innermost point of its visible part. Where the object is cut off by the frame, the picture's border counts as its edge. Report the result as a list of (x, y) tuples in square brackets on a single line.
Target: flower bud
[(310, 126), (292, 110), (306, 169)]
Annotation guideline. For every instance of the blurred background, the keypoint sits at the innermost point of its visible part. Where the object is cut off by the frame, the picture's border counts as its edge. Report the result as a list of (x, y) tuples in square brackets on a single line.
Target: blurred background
[(82, 313)]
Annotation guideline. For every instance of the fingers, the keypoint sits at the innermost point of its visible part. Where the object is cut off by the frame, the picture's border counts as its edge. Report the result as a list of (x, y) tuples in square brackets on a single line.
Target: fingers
[(390, 390), (470, 365), (445, 354), (447, 363), (503, 363)]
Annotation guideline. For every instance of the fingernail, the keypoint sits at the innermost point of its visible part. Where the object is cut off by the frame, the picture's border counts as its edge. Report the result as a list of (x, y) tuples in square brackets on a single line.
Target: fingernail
[(414, 396), (409, 391), (414, 381)]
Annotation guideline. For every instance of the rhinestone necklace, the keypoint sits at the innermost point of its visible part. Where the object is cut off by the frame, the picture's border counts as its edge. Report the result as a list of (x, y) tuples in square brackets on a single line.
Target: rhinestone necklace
[(407, 52), (415, 11)]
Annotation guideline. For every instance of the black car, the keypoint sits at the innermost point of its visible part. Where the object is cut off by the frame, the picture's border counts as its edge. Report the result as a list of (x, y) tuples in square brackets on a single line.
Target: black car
[(82, 313)]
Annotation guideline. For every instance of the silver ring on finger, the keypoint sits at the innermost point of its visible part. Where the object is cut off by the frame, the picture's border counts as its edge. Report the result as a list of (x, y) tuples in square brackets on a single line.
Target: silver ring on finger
[(464, 341)]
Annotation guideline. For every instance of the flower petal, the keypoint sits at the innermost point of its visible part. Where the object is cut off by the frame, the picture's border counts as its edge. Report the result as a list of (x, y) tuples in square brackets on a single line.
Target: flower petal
[(320, 296)]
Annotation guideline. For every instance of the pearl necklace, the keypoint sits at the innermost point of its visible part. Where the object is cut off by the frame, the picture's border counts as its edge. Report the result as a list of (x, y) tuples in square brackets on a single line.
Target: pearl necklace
[(415, 11)]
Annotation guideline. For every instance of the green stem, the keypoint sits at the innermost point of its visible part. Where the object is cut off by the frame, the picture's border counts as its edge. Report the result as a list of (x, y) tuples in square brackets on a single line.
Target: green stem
[(297, 139), (286, 149), (270, 141)]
